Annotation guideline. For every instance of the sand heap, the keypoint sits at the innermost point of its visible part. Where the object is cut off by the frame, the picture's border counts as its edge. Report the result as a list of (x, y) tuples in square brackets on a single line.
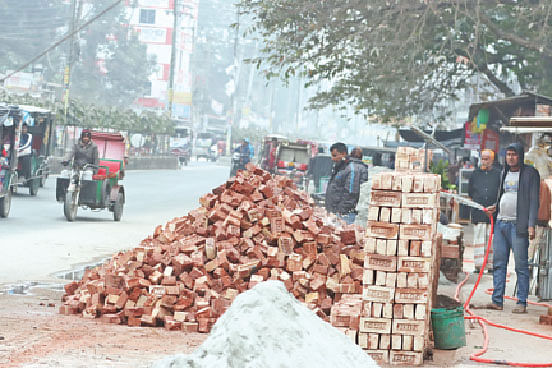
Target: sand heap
[(267, 327), (253, 228)]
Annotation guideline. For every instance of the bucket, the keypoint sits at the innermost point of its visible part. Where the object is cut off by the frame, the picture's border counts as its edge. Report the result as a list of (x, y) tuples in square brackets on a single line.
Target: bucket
[(448, 328)]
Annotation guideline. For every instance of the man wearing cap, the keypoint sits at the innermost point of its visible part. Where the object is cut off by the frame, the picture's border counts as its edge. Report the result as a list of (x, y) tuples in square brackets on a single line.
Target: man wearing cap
[(84, 151), (517, 207), (483, 189)]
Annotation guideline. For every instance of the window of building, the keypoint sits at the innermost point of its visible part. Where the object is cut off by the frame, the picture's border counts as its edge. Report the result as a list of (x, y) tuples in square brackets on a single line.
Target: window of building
[(147, 16), (147, 88)]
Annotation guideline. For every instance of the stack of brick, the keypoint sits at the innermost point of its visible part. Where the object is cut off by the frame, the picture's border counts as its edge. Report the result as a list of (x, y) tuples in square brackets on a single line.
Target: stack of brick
[(398, 266), (408, 158), (253, 228), (546, 319)]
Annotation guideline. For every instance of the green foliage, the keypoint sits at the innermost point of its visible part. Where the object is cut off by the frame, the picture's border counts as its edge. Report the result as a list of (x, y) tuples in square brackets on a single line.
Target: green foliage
[(98, 117), (28, 27), (399, 58), (441, 168)]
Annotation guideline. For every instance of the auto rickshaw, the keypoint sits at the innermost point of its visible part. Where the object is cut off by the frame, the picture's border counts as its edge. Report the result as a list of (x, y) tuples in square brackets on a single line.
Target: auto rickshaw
[(32, 166), (10, 125), (92, 187)]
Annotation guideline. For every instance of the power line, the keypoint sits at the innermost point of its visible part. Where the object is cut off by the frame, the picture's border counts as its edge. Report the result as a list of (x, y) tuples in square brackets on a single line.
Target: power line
[(67, 36)]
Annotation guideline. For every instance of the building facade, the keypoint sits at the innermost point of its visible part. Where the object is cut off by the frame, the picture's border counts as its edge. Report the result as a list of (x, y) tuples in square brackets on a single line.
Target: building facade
[(154, 21)]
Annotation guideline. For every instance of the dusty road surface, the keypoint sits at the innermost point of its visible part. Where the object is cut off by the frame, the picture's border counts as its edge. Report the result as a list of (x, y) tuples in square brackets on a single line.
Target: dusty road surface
[(37, 241), (32, 334)]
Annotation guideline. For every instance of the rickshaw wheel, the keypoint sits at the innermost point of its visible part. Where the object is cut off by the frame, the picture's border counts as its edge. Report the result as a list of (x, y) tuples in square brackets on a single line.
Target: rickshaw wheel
[(33, 186), (5, 204), (70, 206), (118, 207)]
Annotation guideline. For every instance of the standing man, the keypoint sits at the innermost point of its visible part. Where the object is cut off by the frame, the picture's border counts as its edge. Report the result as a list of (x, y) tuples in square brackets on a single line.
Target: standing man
[(483, 189), (344, 186), (517, 206), (24, 151), (356, 157)]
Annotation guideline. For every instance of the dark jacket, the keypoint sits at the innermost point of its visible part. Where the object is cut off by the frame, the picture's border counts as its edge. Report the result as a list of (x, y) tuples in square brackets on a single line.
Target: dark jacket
[(483, 189), (84, 154), (527, 196), (343, 188), (362, 169)]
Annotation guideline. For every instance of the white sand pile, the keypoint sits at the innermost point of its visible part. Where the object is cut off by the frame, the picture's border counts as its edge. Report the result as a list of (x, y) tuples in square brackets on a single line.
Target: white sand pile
[(267, 327)]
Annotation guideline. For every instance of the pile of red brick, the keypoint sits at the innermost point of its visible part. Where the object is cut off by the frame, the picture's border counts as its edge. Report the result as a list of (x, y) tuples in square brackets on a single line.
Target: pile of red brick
[(252, 228), (546, 319), (400, 261)]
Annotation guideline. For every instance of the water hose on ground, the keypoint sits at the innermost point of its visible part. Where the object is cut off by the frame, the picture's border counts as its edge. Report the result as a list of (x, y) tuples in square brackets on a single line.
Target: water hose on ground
[(483, 322)]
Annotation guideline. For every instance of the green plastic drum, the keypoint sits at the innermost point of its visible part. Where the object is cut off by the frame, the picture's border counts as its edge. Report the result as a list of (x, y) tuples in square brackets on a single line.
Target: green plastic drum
[(448, 328)]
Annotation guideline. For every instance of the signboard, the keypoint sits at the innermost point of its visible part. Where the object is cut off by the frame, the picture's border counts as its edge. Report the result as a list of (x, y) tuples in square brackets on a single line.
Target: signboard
[(472, 140), (158, 35), (19, 80), (182, 111), (182, 98), (159, 4)]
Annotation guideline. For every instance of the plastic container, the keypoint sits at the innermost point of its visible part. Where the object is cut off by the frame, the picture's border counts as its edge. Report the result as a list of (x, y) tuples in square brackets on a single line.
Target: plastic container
[(449, 331)]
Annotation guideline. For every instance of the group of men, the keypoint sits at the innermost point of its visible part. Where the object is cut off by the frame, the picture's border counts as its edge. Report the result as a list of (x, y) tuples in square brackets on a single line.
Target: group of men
[(511, 195), (348, 173)]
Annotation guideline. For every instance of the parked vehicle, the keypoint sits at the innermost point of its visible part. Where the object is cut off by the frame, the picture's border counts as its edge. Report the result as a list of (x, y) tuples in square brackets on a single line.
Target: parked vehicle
[(203, 144), (10, 126), (293, 161), (95, 188), (269, 151), (180, 142), (33, 168)]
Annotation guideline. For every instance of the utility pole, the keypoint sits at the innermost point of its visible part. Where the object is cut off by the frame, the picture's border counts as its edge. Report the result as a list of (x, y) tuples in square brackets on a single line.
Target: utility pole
[(68, 65), (235, 115), (173, 57)]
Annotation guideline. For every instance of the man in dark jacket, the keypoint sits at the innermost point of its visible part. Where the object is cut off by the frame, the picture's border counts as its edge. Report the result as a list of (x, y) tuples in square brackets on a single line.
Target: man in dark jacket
[(344, 186), (483, 189), (84, 151), (517, 207)]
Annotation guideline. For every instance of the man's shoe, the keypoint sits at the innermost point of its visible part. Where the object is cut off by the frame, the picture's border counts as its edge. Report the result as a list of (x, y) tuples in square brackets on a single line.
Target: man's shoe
[(520, 309), (495, 306)]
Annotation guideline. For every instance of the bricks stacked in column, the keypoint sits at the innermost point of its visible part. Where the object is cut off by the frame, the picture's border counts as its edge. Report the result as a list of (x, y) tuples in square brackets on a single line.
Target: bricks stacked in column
[(398, 267)]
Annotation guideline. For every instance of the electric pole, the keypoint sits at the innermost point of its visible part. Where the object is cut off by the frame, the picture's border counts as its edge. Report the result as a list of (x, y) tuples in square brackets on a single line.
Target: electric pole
[(236, 83), (173, 58), (68, 64)]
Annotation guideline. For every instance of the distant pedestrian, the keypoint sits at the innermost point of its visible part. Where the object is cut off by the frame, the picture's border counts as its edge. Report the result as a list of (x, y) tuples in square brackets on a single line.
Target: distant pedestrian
[(356, 158), (517, 207)]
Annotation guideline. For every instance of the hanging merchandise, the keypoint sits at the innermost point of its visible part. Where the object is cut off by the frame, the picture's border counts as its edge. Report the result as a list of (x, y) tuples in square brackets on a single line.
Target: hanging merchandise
[(28, 119), (472, 140), (491, 140), (482, 120)]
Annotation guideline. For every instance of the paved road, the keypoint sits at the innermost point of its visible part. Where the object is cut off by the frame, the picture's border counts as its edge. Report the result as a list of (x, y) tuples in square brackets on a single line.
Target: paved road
[(36, 240)]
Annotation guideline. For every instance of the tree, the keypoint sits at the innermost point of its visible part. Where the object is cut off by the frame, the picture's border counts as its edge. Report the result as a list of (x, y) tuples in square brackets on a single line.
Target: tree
[(27, 27), (127, 66), (399, 58)]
